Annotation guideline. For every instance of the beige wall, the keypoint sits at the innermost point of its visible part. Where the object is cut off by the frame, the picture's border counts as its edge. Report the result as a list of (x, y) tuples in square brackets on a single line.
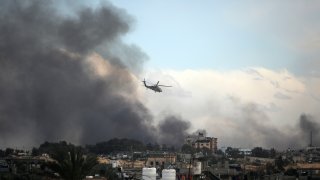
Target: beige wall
[(158, 161)]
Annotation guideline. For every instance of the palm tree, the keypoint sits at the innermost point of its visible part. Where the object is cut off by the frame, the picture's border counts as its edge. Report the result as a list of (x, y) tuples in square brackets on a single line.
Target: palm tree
[(71, 163)]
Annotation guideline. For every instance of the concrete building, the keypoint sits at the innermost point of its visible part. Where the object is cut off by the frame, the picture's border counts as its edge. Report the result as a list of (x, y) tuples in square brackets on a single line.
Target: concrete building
[(200, 141), (160, 159)]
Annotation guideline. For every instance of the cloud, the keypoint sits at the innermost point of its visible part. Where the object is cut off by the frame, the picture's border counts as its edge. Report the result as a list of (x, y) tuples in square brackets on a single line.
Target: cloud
[(234, 106), (290, 26), (279, 95)]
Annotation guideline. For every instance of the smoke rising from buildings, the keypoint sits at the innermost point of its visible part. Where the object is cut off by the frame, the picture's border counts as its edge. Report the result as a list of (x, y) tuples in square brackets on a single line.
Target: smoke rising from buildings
[(307, 125), (173, 130), (256, 130), (53, 83)]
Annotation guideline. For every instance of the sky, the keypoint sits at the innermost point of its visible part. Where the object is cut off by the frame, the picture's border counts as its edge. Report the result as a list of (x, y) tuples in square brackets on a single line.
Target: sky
[(222, 56), (225, 56), (225, 35), (246, 72)]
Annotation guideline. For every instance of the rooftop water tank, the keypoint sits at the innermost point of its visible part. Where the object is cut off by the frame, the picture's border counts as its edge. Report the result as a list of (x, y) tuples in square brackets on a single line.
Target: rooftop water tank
[(197, 168), (168, 174), (149, 173), (114, 163)]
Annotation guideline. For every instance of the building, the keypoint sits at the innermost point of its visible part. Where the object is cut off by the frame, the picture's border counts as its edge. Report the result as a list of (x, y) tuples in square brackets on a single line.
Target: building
[(160, 159), (208, 142), (200, 141), (246, 152)]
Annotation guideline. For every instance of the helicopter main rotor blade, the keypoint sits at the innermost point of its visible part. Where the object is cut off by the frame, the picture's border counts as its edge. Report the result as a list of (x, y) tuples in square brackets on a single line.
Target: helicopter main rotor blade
[(164, 86)]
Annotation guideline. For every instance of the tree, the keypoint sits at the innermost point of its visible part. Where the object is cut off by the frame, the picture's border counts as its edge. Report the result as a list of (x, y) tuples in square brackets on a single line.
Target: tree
[(233, 152), (71, 163), (270, 169), (291, 172), (220, 152), (187, 149), (106, 170), (164, 147), (2, 153), (35, 152), (153, 147), (279, 163), (9, 151), (116, 145), (51, 147), (273, 153), (206, 151), (260, 152)]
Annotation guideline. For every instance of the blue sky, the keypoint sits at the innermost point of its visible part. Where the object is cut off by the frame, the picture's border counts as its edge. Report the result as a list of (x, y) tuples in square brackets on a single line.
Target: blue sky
[(210, 34), (225, 35)]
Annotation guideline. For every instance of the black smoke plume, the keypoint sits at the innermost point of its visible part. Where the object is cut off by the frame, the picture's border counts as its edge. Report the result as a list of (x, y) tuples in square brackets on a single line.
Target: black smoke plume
[(173, 130), (53, 83), (307, 124)]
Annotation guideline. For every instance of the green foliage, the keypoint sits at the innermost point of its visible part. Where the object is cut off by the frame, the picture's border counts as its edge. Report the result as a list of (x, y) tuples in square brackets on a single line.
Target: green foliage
[(71, 163), (186, 148), (219, 152), (9, 151), (35, 152), (233, 153), (2, 153), (264, 153), (291, 172), (270, 168), (10, 176), (153, 147), (206, 151), (50, 147), (273, 153), (279, 163), (116, 145), (107, 171)]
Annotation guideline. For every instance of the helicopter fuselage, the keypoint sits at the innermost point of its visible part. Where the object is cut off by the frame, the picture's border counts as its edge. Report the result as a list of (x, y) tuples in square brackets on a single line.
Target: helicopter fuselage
[(155, 87)]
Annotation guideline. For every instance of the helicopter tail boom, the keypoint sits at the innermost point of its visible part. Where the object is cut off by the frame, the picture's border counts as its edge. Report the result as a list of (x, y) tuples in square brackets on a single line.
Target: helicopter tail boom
[(144, 82)]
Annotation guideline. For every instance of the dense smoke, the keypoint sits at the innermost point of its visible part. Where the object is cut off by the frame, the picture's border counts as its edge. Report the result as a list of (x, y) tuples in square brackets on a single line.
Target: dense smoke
[(255, 130), (173, 130), (307, 125), (57, 81)]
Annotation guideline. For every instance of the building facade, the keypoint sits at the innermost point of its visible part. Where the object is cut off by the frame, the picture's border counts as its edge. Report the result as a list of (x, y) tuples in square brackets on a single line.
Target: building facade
[(200, 141), (158, 160)]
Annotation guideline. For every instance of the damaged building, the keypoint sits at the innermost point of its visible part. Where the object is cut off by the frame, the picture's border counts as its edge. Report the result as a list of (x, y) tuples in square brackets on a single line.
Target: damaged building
[(201, 141)]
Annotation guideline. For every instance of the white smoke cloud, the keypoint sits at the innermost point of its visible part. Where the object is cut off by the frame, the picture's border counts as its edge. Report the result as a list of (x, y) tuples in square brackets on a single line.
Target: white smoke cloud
[(247, 108)]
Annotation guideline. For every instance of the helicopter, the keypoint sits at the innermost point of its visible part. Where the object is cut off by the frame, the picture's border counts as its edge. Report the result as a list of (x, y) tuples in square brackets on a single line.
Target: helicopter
[(155, 87)]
